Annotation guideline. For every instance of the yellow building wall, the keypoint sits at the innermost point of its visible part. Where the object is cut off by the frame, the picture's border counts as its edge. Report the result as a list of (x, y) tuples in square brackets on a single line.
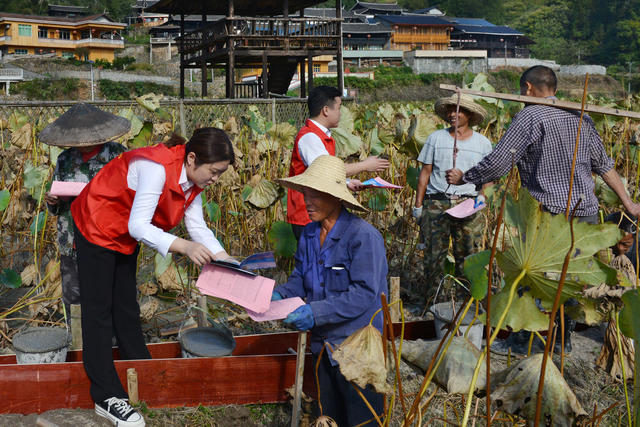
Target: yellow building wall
[(97, 49)]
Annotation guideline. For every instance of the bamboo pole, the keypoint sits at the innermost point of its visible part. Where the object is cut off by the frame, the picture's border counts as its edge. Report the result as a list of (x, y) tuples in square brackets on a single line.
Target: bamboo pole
[(565, 105), (297, 397)]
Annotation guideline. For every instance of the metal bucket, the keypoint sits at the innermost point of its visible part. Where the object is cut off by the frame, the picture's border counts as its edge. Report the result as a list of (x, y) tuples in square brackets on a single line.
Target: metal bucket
[(207, 342), (443, 316), (41, 345)]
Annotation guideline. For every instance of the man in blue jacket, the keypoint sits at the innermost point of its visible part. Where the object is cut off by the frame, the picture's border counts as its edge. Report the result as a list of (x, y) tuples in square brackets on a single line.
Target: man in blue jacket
[(341, 271)]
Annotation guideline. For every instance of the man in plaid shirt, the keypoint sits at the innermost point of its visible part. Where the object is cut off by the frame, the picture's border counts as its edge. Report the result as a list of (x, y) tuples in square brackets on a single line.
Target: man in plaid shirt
[(541, 140)]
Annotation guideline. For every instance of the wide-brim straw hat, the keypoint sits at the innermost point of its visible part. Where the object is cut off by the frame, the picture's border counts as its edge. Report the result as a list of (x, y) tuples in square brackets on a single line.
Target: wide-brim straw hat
[(326, 174), (84, 125), (478, 114)]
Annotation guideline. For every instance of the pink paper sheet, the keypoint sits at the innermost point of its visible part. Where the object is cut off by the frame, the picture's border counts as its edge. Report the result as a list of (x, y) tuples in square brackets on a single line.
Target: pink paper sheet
[(378, 182), (66, 188), (278, 310), (464, 209), (250, 292)]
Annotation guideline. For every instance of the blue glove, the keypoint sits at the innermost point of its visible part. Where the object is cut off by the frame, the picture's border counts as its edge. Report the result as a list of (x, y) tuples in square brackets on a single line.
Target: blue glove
[(276, 296), (301, 318), (480, 200)]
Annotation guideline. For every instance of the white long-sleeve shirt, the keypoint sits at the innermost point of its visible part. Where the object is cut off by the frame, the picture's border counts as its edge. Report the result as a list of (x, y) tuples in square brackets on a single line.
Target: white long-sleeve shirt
[(147, 179), (310, 146)]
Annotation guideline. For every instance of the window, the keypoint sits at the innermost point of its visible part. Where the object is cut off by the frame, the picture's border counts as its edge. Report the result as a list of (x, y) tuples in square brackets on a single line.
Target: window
[(316, 68), (67, 54), (21, 51), (65, 34), (24, 30), (43, 33)]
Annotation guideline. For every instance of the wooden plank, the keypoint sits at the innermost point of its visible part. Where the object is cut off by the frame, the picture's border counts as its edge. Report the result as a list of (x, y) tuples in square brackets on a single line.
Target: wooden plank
[(259, 371), (565, 105)]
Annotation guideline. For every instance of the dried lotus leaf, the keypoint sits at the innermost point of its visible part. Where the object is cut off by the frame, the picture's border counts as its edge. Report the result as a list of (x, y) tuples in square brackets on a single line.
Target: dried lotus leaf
[(29, 275), (148, 288), (361, 359), (148, 309)]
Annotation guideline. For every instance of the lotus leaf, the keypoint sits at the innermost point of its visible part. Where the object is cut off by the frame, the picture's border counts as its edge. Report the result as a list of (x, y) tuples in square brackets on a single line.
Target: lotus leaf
[(481, 83), (282, 238), (150, 101), (256, 121), (606, 195), (630, 327), (475, 269), (413, 174), (136, 123), (148, 308), (34, 178), (346, 143), (213, 210), (264, 194), (162, 263), (360, 358), (21, 138), (422, 125), (376, 145), (231, 126), (379, 200), (346, 119), (38, 223), (17, 121), (456, 370), (29, 275), (283, 133), (144, 137), (523, 313), (245, 192), (385, 113), (5, 196), (54, 152), (10, 278), (266, 143), (516, 388), (538, 243)]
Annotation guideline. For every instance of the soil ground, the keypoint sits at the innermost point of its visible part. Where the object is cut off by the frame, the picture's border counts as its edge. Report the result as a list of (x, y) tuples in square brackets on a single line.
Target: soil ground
[(591, 385)]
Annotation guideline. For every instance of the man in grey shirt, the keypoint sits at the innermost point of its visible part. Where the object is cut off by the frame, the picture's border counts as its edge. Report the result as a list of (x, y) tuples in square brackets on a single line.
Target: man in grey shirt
[(434, 195)]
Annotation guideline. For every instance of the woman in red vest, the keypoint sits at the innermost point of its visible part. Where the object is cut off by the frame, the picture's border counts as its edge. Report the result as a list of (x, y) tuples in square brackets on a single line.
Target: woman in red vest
[(138, 197)]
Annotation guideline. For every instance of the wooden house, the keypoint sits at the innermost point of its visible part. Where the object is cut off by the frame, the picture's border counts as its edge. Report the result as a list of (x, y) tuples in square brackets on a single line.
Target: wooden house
[(499, 41), (66, 11), (367, 8), (265, 33), (97, 36), (414, 31)]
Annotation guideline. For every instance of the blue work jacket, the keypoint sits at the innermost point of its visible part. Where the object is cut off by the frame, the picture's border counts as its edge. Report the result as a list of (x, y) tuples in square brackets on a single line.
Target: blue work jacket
[(344, 291)]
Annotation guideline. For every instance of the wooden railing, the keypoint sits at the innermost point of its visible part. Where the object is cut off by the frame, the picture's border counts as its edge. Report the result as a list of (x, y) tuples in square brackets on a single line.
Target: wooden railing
[(420, 38), (261, 33), (248, 89)]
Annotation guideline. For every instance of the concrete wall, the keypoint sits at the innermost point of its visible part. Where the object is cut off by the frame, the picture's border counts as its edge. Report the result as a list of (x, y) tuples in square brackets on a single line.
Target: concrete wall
[(573, 70), (581, 70), (112, 75), (421, 64)]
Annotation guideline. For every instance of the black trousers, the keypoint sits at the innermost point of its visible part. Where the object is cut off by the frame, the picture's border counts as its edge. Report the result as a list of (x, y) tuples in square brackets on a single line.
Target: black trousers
[(108, 297), (297, 230), (339, 399)]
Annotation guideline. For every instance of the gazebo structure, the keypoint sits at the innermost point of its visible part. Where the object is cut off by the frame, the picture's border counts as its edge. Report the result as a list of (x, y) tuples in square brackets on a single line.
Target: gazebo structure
[(253, 34)]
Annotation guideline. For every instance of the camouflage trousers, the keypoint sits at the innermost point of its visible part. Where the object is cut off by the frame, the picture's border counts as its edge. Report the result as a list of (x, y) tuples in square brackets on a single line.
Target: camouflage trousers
[(436, 230)]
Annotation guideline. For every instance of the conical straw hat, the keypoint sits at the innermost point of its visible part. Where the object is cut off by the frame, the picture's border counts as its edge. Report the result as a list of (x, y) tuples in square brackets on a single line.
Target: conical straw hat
[(328, 175), (478, 114), (83, 125)]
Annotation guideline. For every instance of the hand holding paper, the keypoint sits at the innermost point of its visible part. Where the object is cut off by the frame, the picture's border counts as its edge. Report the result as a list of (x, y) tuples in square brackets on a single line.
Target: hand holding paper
[(279, 309), (465, 209)]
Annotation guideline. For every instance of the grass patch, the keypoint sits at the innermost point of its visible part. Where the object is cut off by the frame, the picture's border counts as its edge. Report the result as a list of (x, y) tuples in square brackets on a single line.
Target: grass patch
[(48, 88), (128, 90)]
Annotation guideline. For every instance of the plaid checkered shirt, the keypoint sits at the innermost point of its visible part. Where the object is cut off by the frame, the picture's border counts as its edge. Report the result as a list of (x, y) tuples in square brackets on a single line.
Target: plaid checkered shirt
[(543, 139)]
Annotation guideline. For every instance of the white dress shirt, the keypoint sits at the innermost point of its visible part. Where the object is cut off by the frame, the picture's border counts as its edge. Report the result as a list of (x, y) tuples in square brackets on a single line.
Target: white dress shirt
[(310, 146), (147, 179)]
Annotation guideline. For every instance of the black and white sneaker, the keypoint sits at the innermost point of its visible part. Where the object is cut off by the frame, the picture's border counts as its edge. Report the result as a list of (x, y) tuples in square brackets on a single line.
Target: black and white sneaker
[(119, 412)]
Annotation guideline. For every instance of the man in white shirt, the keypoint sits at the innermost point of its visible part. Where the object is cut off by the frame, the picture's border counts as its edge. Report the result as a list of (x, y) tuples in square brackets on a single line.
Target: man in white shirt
[(314, 140), (434, 196)]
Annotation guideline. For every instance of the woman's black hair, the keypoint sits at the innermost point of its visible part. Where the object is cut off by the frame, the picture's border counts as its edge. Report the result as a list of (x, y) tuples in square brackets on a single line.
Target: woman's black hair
[(210, 145)]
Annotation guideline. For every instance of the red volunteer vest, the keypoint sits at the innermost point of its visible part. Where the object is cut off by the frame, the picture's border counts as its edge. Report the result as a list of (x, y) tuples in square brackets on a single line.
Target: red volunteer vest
[(101, 212), (296, 209)]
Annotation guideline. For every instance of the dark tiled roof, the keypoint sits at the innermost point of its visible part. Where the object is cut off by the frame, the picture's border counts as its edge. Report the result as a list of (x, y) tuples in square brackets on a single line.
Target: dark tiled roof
[(491, 29), (413, 20), (241, 7), (56, 18), (377, 6), (470, 21), (65, 8), (364, 28), (328, 12)]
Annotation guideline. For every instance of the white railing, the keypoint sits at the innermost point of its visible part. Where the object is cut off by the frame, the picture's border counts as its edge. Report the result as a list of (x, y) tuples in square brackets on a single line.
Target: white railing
[(99, 40), (162, 40), (5, 38), (11, 74)]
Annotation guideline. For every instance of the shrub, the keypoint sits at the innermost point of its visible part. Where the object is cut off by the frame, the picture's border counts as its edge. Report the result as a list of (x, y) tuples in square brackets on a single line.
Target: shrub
[(49, 89), (122, 62), (128, 90), (141, 66)]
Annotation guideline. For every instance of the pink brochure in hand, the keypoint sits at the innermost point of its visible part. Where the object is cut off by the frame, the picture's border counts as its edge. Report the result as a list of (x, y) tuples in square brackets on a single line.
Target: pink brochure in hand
[(66, 188), (278, 310), (464, 209), (250, 292), (378, 182)]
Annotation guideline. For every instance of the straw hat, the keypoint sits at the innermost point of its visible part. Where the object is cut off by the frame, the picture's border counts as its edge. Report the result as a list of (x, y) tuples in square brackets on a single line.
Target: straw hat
[(328, 175), (84, 125), (478, 114)]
